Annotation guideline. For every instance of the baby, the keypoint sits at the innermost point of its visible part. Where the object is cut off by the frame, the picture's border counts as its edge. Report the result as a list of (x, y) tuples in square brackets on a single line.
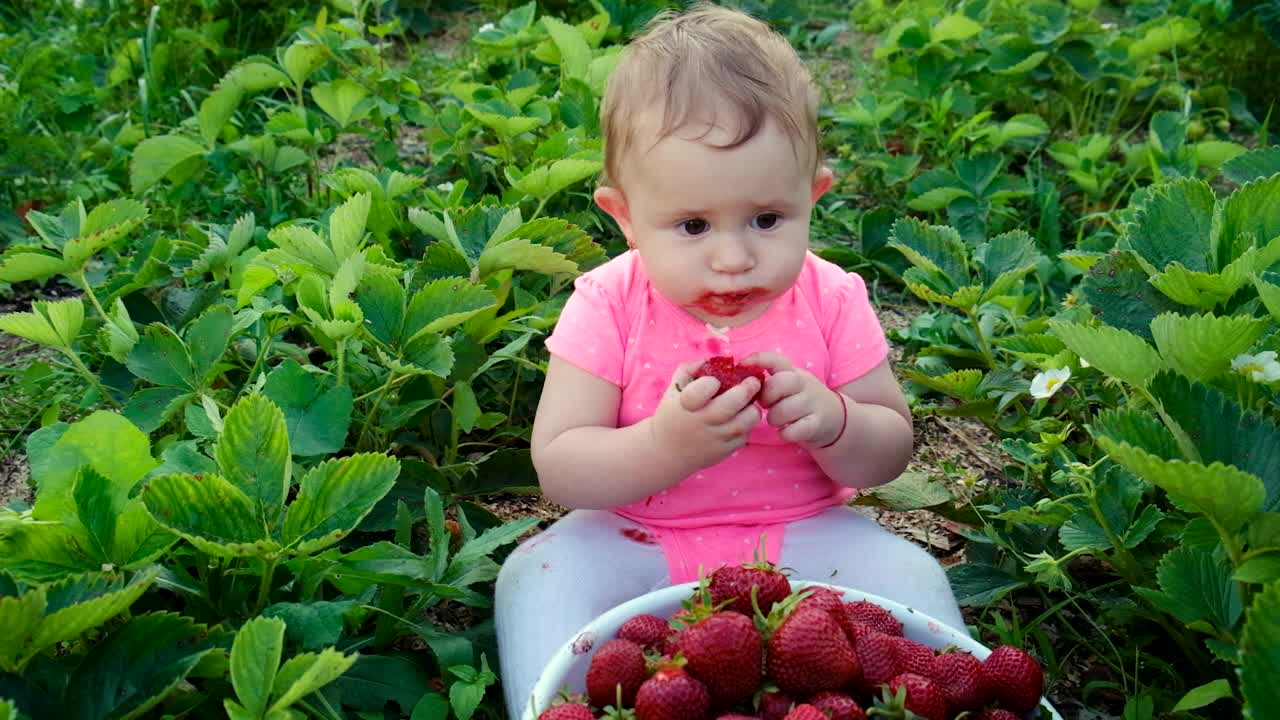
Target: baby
[(713, 166)]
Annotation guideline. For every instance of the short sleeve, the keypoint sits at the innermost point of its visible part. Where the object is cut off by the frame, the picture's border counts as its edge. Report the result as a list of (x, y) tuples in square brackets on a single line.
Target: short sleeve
[(855, 339), (588, 334)]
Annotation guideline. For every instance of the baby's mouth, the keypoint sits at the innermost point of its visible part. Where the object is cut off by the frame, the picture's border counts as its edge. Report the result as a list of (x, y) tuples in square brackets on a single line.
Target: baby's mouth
[(727, 304)]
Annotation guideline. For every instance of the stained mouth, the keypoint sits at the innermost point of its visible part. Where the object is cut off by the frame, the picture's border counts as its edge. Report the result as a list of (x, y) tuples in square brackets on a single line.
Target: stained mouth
[(730, 303)]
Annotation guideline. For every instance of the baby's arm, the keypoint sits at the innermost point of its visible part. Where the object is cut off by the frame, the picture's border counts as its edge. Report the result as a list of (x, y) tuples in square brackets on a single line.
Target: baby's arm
[(585, 461), (878, 437)]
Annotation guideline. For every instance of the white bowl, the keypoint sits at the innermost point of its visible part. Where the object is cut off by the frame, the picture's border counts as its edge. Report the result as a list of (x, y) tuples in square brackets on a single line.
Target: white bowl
[(568, 667)]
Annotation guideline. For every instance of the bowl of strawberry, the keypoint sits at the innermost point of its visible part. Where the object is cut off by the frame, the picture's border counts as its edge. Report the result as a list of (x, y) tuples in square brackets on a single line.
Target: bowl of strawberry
[(748, 642)]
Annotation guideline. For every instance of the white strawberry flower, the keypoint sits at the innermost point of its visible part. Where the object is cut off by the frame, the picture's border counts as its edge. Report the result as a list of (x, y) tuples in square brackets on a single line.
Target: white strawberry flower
[(487, 26), (445, 187), (1261, 368), (1085, 363), (1046, 383)]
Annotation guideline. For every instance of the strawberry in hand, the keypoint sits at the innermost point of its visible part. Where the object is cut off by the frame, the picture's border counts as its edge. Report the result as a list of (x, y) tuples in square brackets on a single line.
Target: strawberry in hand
[(799, 403)]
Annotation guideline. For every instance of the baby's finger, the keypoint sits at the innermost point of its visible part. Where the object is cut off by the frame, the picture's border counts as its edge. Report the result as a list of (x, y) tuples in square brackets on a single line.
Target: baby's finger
[(787, 411), (802, 430), (732, 401), (745, 421), (774, 362), (780, 386), (695, 394)]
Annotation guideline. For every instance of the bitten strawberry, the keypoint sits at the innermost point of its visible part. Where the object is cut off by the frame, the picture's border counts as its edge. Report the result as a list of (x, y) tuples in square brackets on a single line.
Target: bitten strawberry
[(837, 705), (647, 631), (923, 697), (672, 694), (913, 657), (726, 653), (617, 662), (805, 712), (1014, 679), (996, 714), (874, 616), (725, 369), (734, 582), (808, 653), (959, 674), (567, 711)]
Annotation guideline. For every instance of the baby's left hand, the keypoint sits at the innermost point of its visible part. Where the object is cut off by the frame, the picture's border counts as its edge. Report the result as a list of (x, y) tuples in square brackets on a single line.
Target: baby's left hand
[(809, 412)]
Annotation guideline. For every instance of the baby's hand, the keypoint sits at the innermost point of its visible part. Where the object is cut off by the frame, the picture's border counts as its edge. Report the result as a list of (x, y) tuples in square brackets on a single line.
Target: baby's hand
[(698, 427), (809, 412)]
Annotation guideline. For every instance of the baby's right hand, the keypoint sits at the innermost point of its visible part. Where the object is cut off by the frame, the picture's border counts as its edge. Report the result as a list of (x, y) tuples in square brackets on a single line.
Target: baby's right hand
[(698, 427)]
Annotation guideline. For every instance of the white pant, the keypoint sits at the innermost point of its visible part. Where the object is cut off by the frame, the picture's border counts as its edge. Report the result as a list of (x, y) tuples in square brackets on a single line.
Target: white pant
[(558, 581)]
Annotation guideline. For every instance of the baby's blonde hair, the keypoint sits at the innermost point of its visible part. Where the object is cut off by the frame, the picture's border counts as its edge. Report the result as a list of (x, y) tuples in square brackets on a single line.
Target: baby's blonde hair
[(709, 57)]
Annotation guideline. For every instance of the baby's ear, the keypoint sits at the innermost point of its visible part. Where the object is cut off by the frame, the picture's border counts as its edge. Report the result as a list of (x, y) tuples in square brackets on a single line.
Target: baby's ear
[(612, 201), (822, 181)]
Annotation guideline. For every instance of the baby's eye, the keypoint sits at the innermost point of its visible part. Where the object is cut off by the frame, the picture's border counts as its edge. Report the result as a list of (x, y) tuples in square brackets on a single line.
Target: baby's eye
[(696, 226), (766, 221)]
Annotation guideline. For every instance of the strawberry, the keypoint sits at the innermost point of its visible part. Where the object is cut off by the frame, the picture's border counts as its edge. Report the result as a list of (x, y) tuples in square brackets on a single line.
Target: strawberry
[(617, 662), (874, 616), (923, 697), (567, 711), (808, 652), (735, 582), (672, 694), (774, 705), (959, 674), (824, 599), (878, 658), (996, 714), (725, 652), (647, 631), (913, 657), (725, 369), (805, 712), (736, 716), (837, 705), (1014, 679)]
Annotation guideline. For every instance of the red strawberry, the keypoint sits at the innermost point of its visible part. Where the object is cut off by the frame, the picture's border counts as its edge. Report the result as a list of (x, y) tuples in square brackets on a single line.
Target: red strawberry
[(567, 711), (996, 714), (734, 582), (959, 674), (805, 712), (736, 716), (1014, 679), (617, 662), (913, 657), (924, 698), (871, 614), (672, 694), (774, 705), (824, 599), (878, 657), (725, 369), (647, 631), (809, 652), (837, 706), (725, 652)]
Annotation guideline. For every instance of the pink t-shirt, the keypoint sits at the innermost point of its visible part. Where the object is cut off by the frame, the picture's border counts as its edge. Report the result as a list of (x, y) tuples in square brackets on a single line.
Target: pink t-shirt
[(617, 326)]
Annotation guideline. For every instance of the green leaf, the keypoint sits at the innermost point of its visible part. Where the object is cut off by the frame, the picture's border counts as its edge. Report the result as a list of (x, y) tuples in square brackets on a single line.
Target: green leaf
[(211, 513), (1250, 216), (334, 497), (1137, 428), (253, 77), (160, 357), (1199, 587), (344, 100), (575, 54), (303, 58), (1202, 346), (1173, 224), (82, 602), (935, 248), (1204, 695), (167, 156), (346, 225), (1113, 351), (1253, 165), (304, 674), (313, 624), (206, 339), (305, 246), (1270, 295), (55, 324), (466, 411), (962, 384), (977, 585), (1260, 649), (317, 418), (522, 254), (1005, 260), (1224, 493), (909, 491), (216, 110), (381, 298), (106, 442), (1162, 35), (444, 304), (20, 264), (546, 181), (430, 353), (253, 454), (255, 659), (1118, 289), (137, 666), (1260, 570), (954, 27)]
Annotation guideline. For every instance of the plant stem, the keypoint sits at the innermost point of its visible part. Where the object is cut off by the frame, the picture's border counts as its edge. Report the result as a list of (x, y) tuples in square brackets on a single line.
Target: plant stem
[(538, 211), (264, 588), (342, 351), (84, 284), (983, 346), (93, 379), (377, 403)]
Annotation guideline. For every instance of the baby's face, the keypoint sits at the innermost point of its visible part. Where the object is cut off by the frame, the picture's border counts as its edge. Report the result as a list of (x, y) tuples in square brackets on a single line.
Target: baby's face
[(722, 232)]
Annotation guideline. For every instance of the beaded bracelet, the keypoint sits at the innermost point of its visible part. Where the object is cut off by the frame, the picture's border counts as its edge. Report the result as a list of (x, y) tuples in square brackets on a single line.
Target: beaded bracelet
[(844, 422)]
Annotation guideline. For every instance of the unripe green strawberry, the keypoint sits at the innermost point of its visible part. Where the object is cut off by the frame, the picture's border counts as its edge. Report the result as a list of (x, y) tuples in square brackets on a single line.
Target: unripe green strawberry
[(1014, 679), (672, 694), (805, 712), (617, 662), (726, 653), (923, 697), (837, 705), (809, 652), (960, 676), (567, 711)]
